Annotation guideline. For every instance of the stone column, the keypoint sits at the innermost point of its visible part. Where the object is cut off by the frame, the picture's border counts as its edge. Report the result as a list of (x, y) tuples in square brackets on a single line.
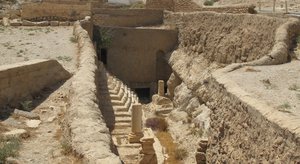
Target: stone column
[(5, 21), (274, 5), (88, 25), (136, 124), (286, 6), (161, 88)]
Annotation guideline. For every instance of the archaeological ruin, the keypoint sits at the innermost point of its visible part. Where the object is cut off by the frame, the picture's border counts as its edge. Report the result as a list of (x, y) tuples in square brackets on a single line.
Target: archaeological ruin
[(149, 81)]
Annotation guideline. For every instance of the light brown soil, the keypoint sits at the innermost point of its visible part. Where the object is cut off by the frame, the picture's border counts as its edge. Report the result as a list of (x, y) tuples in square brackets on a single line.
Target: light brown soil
[(166, 141), (45, 143), (277, 85), (19, 44)]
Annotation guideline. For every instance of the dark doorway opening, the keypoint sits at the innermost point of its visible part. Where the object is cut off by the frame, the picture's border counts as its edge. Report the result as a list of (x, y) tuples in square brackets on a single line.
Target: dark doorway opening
[(143, 94), (103, 55)]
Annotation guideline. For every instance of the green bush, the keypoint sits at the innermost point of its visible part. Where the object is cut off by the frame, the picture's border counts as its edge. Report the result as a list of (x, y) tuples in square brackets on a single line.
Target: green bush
[(105, 37), (9, 148), (209, 3), (27, 105)]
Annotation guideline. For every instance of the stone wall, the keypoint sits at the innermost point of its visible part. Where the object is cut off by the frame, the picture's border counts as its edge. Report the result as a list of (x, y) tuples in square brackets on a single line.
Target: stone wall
[(138, 55), (242, 129), (231, 9), (189, 6), (24, 79), (50, 11), (127, 18), (172, 5), (89, 134), (230, 38), (185, 6), (160, 4)]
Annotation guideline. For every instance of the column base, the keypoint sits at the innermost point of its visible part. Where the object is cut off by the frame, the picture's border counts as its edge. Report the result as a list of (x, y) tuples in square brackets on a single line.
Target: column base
[(135, 137)]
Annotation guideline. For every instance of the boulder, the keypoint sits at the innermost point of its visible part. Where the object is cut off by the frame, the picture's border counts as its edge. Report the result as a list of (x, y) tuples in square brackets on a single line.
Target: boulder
[(19, 133), (54, 23), (12, 160), (43, 23), (67, 23), (28, 23), (26, 114), (16, 22), (163, 101), (5, 21), (13, 123), (33, 123), (177, 116)]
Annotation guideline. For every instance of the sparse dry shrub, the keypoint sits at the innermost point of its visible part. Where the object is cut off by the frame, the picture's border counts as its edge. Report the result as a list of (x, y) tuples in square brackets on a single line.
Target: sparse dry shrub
[(157, 123), (66, 147), (73, 39), (137, 5), (180, 153), (294, 87)]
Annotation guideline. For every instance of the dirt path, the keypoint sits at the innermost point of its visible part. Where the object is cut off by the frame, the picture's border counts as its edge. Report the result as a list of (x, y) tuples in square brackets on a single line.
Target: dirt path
[(46, 142)]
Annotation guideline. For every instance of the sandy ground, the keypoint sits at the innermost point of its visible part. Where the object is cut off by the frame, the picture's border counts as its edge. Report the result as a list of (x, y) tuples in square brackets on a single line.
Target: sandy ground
[(277, 85), (46, 142), (19, 44)]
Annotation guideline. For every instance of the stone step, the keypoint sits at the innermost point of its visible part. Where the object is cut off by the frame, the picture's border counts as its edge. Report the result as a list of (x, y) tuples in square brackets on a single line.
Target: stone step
[(116, 89), (132, 145), (121, 131), (123, 119), (120, 109), (117, 103), (122, 114), (122, 125)]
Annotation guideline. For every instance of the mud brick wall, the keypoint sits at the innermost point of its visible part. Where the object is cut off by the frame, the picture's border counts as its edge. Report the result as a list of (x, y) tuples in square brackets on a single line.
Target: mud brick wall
[(27, 78)]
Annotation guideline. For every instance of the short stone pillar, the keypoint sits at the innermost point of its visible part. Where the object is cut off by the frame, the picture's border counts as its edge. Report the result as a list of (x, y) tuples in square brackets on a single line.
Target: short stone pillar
[(136, 124), (161, 88), (201, 151), (5, 21), (148, 151), (88, 25), (274, 5), (286, 7), (259, 5)]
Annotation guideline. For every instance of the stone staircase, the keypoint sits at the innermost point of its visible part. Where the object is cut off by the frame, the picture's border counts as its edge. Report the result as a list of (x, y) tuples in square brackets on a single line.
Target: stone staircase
[(116, 101)]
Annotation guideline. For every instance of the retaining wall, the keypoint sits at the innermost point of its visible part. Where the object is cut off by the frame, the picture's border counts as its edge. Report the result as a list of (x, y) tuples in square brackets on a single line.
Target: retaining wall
[(89, 134), (189, 6), (40, 11), (237, 9), (242, 128), (160, 4), (127, 18), (24, 79)]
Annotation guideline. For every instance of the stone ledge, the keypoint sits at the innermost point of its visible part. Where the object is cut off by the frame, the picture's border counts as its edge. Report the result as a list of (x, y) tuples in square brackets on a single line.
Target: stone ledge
[(89, 135)]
